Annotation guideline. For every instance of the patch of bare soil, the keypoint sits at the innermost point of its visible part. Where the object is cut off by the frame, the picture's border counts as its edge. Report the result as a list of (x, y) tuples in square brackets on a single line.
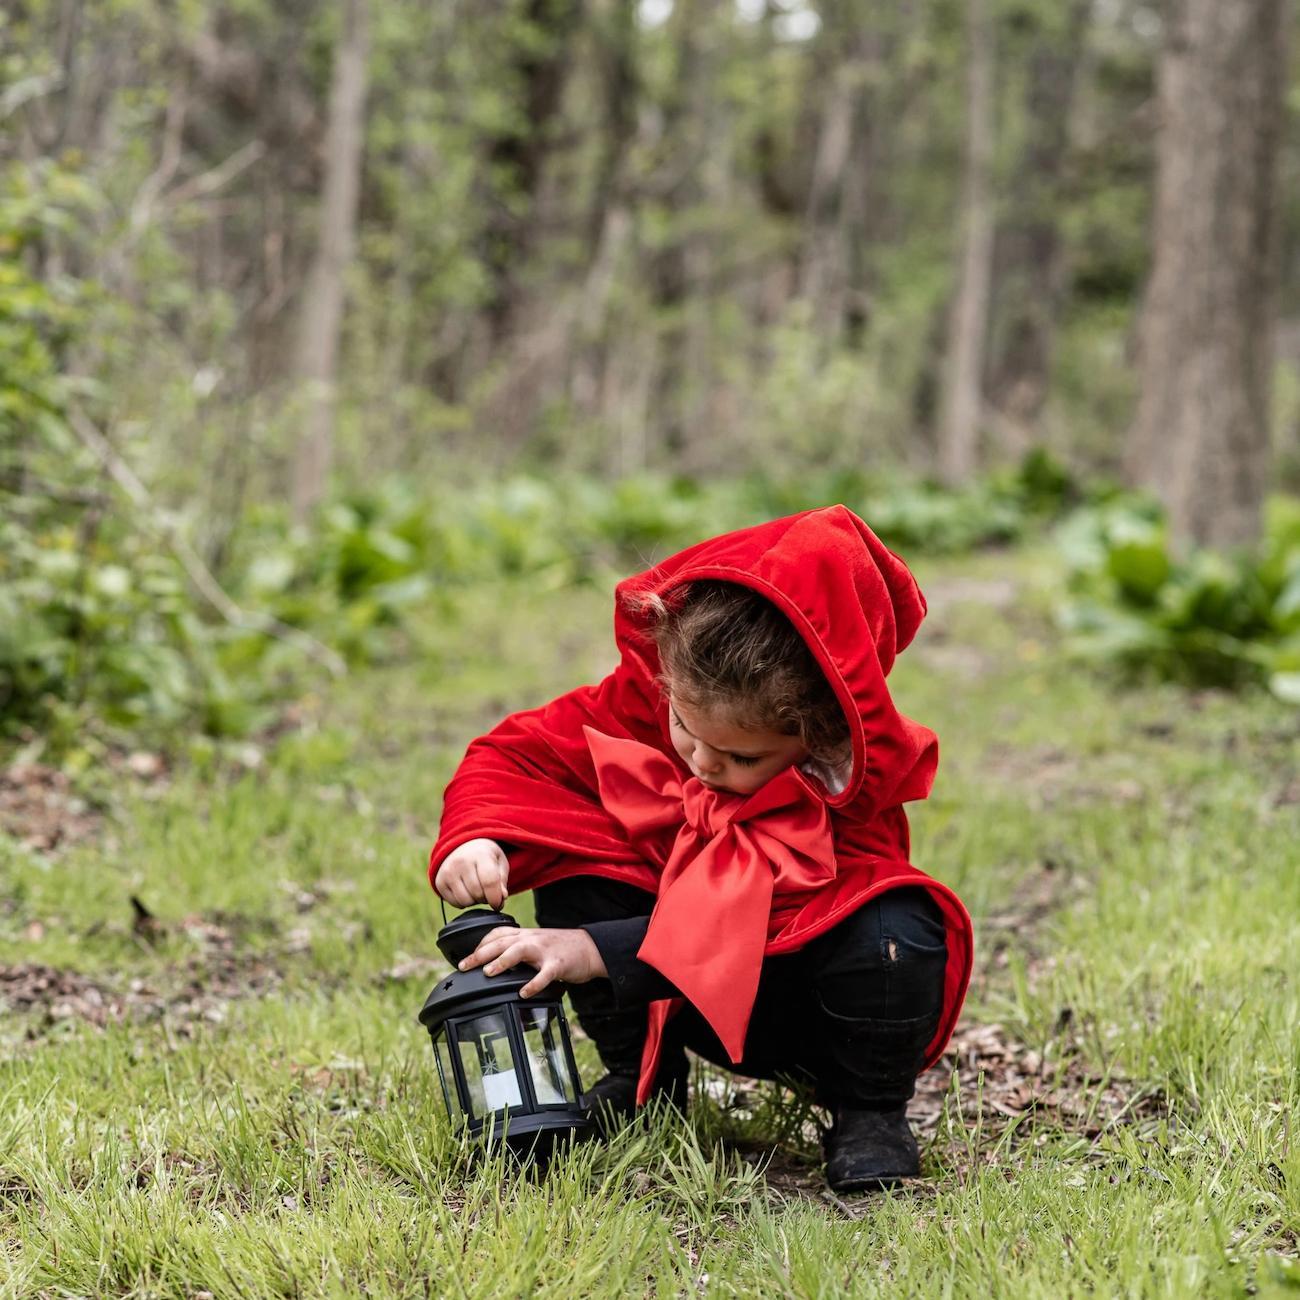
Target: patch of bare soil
[(39, 809), (199, 989), (14, 1189), (936, 647), (950, 658), (1050, 776), (996, 1081), (1287, 795)]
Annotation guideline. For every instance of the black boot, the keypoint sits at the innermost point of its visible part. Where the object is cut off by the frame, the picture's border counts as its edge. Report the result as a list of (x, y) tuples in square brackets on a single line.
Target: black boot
[(869, 1148), (611, 1101), (612, 1098)]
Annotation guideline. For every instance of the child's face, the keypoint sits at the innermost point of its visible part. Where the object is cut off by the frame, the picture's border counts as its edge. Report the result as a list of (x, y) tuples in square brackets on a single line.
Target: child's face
[(727, 757)]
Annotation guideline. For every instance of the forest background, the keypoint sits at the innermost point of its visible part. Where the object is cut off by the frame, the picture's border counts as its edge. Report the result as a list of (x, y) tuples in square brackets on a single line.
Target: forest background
[(350, 351), (333, 255)]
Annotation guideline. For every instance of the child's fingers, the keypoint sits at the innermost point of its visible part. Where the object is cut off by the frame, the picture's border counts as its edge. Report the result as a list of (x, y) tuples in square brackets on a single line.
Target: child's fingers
[(491, 883), (511, 955), (454, 890), (492, 943), (463, 886), (546, 975), (531, 948)]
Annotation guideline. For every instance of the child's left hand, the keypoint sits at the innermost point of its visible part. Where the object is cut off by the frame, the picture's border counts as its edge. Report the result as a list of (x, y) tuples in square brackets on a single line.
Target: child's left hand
[(568, 955)]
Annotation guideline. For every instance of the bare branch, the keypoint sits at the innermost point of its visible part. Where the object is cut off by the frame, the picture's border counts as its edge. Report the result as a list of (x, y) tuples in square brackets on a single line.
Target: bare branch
[(168, 162), (125, 477), (30, 88), (198, 187)]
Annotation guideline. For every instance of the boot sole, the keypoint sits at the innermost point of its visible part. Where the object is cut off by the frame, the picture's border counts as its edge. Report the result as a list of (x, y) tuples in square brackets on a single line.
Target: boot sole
[(872, 1183)]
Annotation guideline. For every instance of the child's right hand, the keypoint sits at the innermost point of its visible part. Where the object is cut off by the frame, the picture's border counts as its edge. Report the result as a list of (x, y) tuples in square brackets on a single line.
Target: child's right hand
[(476, 872)]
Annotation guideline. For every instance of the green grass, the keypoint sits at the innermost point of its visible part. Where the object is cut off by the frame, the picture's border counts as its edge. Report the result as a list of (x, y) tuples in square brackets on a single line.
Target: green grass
[(1132, 860)]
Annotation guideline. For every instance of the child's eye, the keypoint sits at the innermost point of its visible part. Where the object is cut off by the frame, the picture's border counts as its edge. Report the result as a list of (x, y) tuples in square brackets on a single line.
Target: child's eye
[(743, 760)]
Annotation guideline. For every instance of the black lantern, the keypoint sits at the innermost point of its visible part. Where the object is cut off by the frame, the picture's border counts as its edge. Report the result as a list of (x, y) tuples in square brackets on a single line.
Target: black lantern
[(505, 1062)]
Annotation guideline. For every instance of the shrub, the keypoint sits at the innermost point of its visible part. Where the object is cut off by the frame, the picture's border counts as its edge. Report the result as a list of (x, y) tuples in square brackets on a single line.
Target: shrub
[(1204, 618)]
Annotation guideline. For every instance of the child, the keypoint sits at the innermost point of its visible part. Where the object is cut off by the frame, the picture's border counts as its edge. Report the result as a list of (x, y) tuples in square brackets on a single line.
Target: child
[(716, 836)]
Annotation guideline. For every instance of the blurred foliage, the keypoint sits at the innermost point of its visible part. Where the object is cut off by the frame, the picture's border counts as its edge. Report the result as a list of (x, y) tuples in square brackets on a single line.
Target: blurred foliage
[(591, 238), (1203, 618), (561, 325), (99, 629), (94, 623), (383, 550)]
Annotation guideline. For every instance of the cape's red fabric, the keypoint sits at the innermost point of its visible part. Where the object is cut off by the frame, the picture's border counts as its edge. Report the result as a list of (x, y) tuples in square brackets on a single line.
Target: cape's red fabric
[(591, 784)]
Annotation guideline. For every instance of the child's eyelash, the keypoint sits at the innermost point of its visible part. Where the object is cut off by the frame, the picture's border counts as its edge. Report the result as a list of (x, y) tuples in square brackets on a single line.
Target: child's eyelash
[(741, 759)]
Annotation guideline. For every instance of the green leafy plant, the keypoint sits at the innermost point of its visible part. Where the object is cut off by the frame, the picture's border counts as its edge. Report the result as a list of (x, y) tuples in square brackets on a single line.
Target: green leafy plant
[(96, 626), (1204, 618)]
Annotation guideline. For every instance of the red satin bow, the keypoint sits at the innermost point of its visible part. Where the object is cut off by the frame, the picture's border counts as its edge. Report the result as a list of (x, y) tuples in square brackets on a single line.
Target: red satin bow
[(735, 868)]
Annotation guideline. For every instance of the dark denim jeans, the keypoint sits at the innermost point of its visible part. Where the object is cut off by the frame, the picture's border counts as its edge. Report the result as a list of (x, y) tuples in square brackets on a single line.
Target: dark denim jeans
[(850, 1014)]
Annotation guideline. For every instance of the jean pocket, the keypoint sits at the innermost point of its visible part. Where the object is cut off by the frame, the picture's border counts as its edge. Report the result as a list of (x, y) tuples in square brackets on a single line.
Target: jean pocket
[(904, 981), (887, 1028)]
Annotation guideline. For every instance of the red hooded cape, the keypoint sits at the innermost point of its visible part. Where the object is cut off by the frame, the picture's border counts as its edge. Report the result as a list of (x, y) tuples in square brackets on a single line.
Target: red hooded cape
[(532, 783)]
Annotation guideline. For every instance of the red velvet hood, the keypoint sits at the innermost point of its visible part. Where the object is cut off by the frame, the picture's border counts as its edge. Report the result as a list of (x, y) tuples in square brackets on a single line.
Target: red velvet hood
[(852, 600)]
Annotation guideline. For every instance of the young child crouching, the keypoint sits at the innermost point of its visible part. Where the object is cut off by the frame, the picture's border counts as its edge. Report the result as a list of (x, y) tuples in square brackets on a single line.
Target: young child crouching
[(716, 838)]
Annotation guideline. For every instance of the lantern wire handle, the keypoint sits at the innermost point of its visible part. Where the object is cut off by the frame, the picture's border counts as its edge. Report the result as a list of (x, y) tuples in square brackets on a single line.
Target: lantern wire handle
[(443, 901)]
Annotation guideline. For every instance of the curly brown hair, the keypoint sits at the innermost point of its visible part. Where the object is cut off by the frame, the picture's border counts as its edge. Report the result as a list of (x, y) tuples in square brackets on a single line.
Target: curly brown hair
[(723, 648)]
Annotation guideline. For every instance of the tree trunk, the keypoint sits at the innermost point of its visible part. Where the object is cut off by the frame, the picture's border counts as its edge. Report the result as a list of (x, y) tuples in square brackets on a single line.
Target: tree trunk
[(1201, 434), (609, 218), (962, 401), (824, 272), (846, 188), (689, 112), (322, 308), (1029, 270), (516, 158)]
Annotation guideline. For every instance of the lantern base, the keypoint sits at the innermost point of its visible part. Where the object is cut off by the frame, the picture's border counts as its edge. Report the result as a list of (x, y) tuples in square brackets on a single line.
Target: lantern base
[(532, 1136)]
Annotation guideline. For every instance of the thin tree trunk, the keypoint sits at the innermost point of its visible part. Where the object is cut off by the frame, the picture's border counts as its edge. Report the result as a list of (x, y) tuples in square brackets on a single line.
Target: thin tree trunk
[(687, 115), (321, 322), (609, 220), (400, 315), (960, 413), (1201, 434), (823, 272), (1029, 270), (516, 159)]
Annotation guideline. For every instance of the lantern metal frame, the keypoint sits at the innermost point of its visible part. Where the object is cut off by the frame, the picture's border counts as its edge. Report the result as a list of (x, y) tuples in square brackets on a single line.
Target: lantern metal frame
[(462, 997)]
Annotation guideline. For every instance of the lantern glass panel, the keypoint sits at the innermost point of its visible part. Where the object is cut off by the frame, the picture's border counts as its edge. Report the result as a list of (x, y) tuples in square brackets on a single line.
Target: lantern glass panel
[(547, 1061), (488, 1062), (447, 1072)]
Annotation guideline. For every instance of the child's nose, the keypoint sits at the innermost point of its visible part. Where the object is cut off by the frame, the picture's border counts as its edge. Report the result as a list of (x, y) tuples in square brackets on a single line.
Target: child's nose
[(707, 760)]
